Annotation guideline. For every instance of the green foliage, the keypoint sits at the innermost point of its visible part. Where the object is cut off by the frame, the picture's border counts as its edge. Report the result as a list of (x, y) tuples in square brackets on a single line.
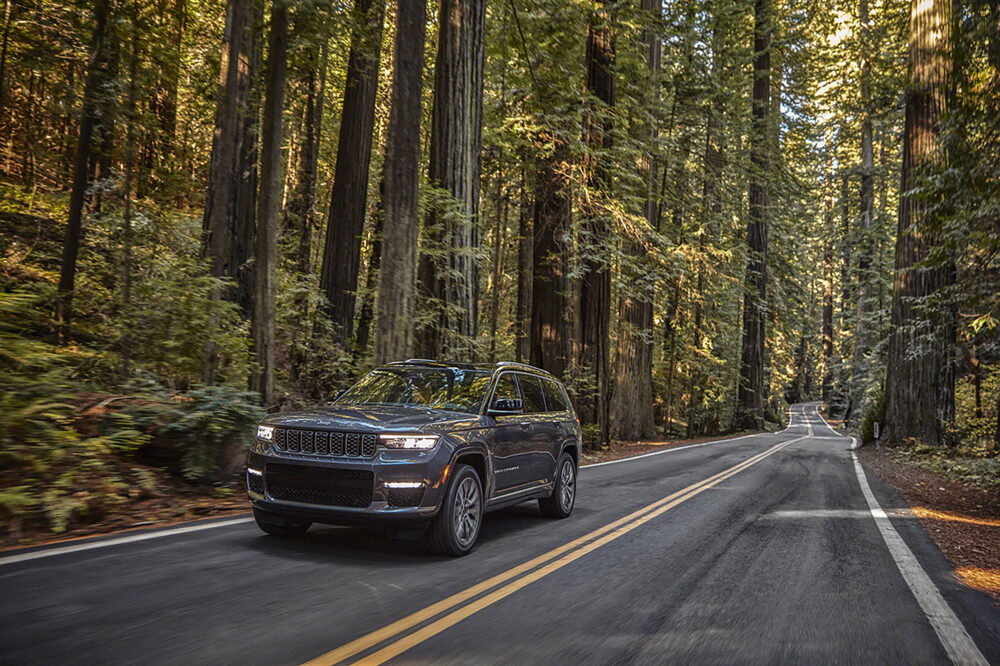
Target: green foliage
[(874, 412), (202, 426)]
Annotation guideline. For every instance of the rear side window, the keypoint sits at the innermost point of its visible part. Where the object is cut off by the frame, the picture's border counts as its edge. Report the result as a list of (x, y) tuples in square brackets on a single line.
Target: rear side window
[(554, 396), (506, 388), (531, 394)]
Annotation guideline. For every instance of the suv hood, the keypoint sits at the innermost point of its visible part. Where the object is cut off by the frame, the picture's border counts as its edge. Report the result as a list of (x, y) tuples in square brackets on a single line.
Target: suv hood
[(375, 418)]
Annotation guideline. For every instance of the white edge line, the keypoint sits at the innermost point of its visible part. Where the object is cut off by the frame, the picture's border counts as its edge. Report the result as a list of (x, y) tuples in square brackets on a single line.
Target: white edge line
[(62, 550), (951, 632)]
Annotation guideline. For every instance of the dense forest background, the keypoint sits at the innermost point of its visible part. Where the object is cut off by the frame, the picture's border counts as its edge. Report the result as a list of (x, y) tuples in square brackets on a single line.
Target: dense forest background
[(693, 212)]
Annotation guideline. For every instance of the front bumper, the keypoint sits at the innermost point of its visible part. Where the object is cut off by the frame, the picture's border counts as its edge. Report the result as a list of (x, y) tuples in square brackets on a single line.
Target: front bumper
[(335, 490)]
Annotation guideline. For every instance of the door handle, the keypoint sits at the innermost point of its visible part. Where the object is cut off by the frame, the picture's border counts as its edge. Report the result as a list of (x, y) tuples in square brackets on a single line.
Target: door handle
[(524, 424)]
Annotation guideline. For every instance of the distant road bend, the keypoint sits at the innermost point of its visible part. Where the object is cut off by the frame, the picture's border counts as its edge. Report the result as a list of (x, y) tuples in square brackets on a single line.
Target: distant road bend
[(769, 548)]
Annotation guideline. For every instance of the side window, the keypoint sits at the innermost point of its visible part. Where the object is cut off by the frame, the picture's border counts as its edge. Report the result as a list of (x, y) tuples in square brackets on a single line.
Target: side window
[(554, 396), (506, 388), (531, 393)]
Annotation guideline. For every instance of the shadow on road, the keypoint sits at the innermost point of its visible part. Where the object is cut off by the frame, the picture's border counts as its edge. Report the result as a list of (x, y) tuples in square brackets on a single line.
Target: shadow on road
[(328, 544)]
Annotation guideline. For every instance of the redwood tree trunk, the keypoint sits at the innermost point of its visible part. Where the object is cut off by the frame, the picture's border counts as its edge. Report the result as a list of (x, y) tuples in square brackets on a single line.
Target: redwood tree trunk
[(266, 246), (525, 264), (550, 328), (228, 221), (303, 200), (349, 199), (401, 226), (595, 283), (920, 397), (859, 364), (454, 167), (96, 77), (631, 410), (750, 396)]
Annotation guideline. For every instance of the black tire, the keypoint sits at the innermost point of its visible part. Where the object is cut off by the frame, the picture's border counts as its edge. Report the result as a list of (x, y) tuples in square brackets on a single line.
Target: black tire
[(275, 526), (560, 503), (463, 503)]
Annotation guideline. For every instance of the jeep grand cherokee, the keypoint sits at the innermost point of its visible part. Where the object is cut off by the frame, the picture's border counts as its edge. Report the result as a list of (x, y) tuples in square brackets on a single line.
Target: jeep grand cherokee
[(420, 444)]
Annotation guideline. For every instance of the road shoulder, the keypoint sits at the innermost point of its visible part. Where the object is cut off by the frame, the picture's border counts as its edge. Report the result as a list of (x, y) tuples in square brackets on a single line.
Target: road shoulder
[(963, 522)]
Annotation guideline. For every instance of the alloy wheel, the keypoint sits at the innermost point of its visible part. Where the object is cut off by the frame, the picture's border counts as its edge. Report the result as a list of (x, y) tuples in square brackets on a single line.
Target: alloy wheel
[(468, 511), (567, 486)]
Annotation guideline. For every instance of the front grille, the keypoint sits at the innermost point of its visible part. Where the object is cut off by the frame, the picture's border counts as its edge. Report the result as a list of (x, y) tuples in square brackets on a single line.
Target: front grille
[(318, 485), (325, 443), (403, 497)]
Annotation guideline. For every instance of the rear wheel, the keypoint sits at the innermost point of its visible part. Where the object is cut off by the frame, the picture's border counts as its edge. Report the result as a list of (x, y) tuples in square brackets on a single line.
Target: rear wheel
[(278, 527), (456, 527), (560, 503)]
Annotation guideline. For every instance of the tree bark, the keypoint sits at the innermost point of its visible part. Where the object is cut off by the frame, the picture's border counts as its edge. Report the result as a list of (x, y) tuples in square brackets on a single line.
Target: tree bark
[(349, 198), (827, 331), (303, 200), (595, 283), (920, 378), (130, 141), (367, 312), (456, 128), (525, 275), (394, 323), (266, 246), (223, 231), (499, 230), (750, 395), (551, 332), (859, 369), (7, 13), (96, 77), (631, 410)]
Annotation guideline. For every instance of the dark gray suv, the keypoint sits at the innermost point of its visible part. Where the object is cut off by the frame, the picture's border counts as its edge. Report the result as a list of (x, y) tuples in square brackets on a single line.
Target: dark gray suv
[(420, 446)]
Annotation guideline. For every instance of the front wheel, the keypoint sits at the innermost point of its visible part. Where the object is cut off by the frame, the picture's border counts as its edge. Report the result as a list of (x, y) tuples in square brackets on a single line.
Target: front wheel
[(456, 527), (279, 528), (560, 503)]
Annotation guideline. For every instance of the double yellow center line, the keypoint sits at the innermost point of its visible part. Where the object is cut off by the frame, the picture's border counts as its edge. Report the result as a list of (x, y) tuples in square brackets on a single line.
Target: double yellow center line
[(553, 560)]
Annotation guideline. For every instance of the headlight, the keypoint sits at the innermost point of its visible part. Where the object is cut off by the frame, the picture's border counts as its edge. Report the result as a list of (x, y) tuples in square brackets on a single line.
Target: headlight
[(265, 432), (422, 442)]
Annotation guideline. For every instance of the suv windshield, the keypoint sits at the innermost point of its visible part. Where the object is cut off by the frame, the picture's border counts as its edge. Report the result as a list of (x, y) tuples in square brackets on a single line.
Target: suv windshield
[(453, 389)]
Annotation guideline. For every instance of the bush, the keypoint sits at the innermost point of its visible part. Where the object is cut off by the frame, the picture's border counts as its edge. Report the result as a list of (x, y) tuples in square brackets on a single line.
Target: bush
[(200, 433), (874, 412)]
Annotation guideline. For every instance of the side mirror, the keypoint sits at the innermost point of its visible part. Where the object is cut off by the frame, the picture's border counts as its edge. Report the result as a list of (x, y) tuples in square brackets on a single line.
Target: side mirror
[(506, 406)]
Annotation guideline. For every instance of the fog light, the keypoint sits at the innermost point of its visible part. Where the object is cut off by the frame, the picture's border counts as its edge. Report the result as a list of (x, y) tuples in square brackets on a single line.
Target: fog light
[(398, 485)]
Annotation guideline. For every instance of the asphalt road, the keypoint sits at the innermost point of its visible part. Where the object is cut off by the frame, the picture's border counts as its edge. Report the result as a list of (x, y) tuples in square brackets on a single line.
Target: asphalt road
[(761, 549)]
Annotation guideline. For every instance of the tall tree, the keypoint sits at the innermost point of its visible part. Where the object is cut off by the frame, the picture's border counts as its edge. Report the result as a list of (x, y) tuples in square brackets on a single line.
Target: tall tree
[(920, 398), (396, 294), (349, 198), (551, 331), (859, 369), (631, 410), (595, 283), (453, 226), (97, 74), (228, 220), (299, 210), (266, 244), (525, 255), (751, 397)]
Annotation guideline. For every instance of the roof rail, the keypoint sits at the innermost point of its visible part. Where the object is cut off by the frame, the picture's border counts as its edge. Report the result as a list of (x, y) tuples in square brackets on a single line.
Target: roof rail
[(523, 366)]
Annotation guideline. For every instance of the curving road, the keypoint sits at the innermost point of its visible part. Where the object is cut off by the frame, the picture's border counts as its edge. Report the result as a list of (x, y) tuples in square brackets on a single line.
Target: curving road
[(767, 548)]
